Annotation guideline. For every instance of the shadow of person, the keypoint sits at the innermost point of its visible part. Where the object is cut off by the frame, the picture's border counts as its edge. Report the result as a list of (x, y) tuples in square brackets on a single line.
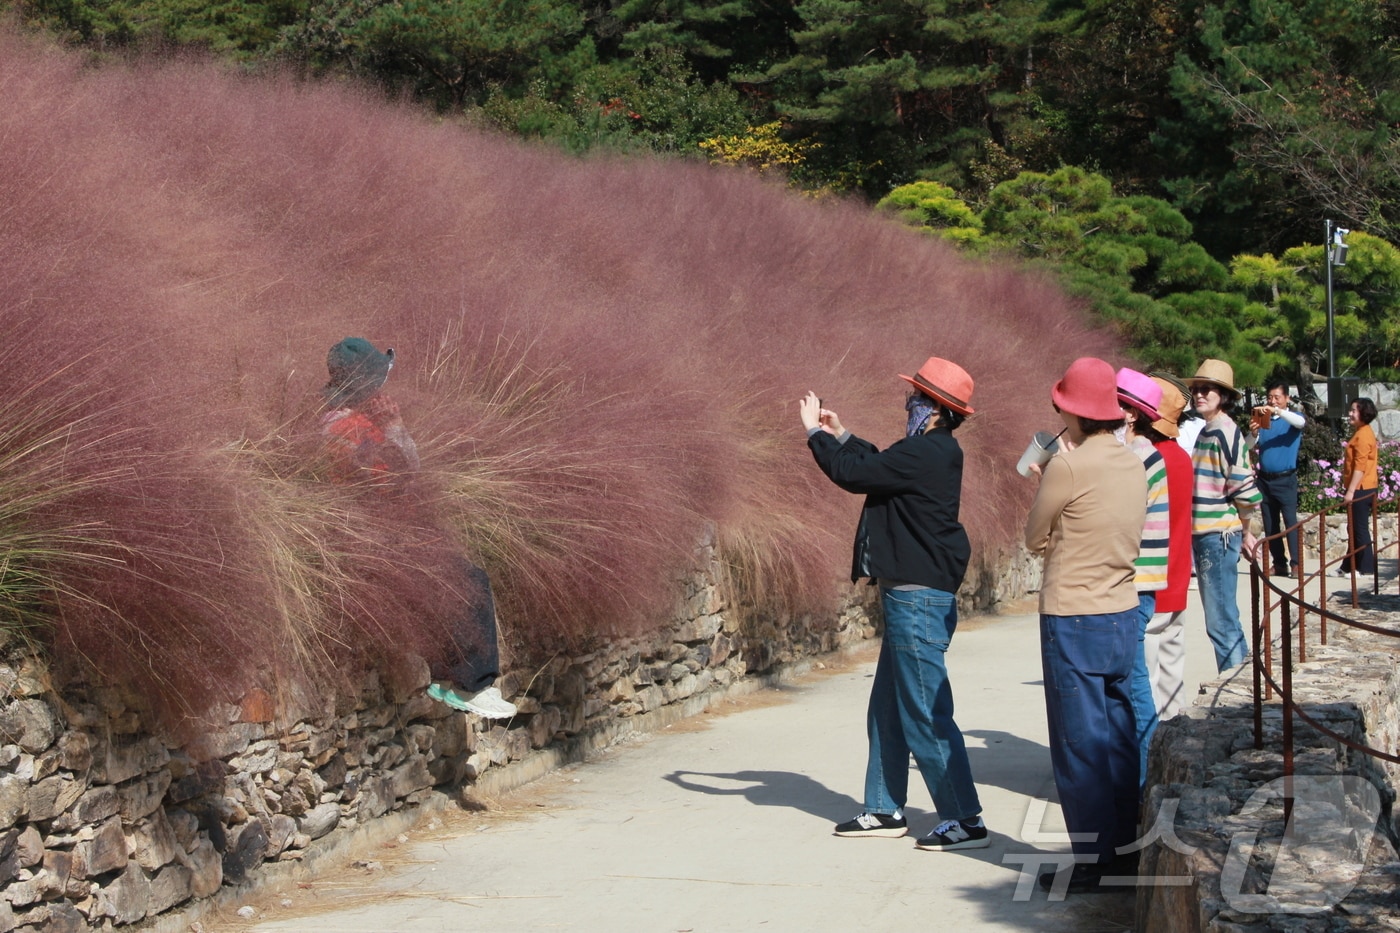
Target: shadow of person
[(1008, 761), (771, 789)]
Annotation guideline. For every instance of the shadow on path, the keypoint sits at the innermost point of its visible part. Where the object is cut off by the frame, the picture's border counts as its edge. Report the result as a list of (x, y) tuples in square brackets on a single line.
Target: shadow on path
[(771, 789)]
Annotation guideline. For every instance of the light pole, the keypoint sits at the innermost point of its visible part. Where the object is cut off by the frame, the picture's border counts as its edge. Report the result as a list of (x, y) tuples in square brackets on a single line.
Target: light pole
[(1336, 255)]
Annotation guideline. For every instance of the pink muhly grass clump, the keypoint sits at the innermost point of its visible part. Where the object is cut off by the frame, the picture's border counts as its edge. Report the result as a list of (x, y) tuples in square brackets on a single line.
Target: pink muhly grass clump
[(600, 361)]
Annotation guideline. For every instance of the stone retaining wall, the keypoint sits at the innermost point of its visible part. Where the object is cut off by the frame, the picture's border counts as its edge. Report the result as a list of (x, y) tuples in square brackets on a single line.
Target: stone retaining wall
[(103, 824), (1220, 862)]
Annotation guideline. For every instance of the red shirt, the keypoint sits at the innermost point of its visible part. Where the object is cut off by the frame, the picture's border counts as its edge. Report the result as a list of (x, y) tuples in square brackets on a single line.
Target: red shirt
[(369, 443), (1179, 484)]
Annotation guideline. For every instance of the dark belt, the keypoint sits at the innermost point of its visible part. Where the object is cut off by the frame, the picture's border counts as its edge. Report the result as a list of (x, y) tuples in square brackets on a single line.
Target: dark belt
[(1263, 475)]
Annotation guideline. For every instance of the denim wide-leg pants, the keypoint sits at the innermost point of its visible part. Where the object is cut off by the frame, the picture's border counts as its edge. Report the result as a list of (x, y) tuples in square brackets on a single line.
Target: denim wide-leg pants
[(1217, 575), (1088, 667), (1144, 703), (911, 708)]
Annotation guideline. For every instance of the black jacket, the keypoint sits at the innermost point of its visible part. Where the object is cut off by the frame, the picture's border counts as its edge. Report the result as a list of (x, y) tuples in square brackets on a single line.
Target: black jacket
[(910, 520)]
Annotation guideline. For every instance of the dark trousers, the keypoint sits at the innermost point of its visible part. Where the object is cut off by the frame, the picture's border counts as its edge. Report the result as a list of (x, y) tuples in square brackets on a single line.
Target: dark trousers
[(473, 663), (1359, 525), (1087, 663), (1280, 501)]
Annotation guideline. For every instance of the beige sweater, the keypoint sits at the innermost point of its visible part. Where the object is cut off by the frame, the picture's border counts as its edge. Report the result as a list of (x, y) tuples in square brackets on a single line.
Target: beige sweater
[(1087, 521)]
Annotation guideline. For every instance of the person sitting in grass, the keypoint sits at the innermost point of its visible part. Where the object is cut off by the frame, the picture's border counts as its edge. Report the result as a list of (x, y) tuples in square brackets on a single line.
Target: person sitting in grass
[(370, 445)]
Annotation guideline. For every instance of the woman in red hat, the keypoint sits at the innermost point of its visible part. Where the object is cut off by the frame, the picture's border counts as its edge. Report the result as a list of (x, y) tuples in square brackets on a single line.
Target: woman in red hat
[(911, 542), (1087, 521)]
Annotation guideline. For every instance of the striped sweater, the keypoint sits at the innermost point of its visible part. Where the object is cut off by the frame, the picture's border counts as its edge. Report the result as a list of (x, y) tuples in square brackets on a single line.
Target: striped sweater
[(1223, 480), (1151, 564)]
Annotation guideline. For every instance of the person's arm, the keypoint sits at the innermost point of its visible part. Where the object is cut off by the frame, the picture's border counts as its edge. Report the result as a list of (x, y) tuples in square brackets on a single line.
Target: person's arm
[(1291, 417), (1056, 487), (1239, 485), (858, 466)]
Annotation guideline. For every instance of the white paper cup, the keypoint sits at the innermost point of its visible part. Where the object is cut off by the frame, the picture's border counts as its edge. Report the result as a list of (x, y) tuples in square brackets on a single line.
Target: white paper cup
[(1038, 452)]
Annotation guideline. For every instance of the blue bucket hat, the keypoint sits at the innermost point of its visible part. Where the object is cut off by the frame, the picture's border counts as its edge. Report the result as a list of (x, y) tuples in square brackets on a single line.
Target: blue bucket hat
[(357, 371)]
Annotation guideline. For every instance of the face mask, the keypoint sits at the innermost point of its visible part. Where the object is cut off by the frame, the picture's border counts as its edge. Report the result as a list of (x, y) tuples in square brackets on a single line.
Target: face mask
[(920, 408)]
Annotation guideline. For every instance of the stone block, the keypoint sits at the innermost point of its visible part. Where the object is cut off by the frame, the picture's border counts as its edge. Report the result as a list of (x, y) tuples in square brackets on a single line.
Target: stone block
[(23, 893), (30, 724), (375, 798), (294, 802), (620, 690), (58, 871), (185, 826), (206, 869), (127, 898), (139, 797), (543, 725), (1387, 424), (117, 760), (450, 736), (95, 803), (247, 845), (280, 830), (681, 689), (389, 755), (10, 869), (258, 758), (173, 884), (651, 698), (320, 820), (226, 742), (53, 795), (29, 847), (207, 777), (56, 917), (701, 629), (152, 842), (14, 799), (419, 737), (410, 776), (104, 852)]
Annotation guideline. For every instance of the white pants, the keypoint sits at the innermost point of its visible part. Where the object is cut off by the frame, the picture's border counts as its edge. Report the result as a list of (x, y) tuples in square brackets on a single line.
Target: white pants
[(1164, 649)]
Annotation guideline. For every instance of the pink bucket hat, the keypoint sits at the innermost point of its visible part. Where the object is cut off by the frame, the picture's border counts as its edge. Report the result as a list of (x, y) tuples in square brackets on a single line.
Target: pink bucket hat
[(1140, 391), (1088, 390)]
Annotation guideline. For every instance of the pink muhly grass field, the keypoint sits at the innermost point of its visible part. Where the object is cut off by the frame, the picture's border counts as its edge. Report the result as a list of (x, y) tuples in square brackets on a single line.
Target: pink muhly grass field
[(600, 360)]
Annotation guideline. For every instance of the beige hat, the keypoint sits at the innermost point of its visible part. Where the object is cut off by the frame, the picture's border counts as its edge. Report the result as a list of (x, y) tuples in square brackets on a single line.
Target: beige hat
[(1219, 373), (1173, 404)]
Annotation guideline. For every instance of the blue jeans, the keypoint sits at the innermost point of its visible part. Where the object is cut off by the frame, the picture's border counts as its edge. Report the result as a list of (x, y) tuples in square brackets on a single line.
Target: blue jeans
[(1144, 703), (911, 708), (1217, 573), (1088, 666)]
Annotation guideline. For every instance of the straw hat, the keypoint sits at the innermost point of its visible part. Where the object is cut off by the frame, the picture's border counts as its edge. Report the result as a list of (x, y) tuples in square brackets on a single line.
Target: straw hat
[(945, 382), (1217, 373), (1088, 390), (1172, 405), (1136, 390)]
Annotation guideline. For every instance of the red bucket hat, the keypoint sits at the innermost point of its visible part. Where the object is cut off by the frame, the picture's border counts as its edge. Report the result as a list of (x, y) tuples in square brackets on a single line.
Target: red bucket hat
[(1088, 390), (944, 381)]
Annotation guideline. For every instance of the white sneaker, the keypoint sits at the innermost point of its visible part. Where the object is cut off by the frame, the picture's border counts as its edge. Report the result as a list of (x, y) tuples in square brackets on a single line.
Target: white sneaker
[(489, 704)]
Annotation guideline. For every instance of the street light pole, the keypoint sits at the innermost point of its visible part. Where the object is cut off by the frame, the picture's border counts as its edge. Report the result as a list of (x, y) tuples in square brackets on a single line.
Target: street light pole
[(1331, 335)]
